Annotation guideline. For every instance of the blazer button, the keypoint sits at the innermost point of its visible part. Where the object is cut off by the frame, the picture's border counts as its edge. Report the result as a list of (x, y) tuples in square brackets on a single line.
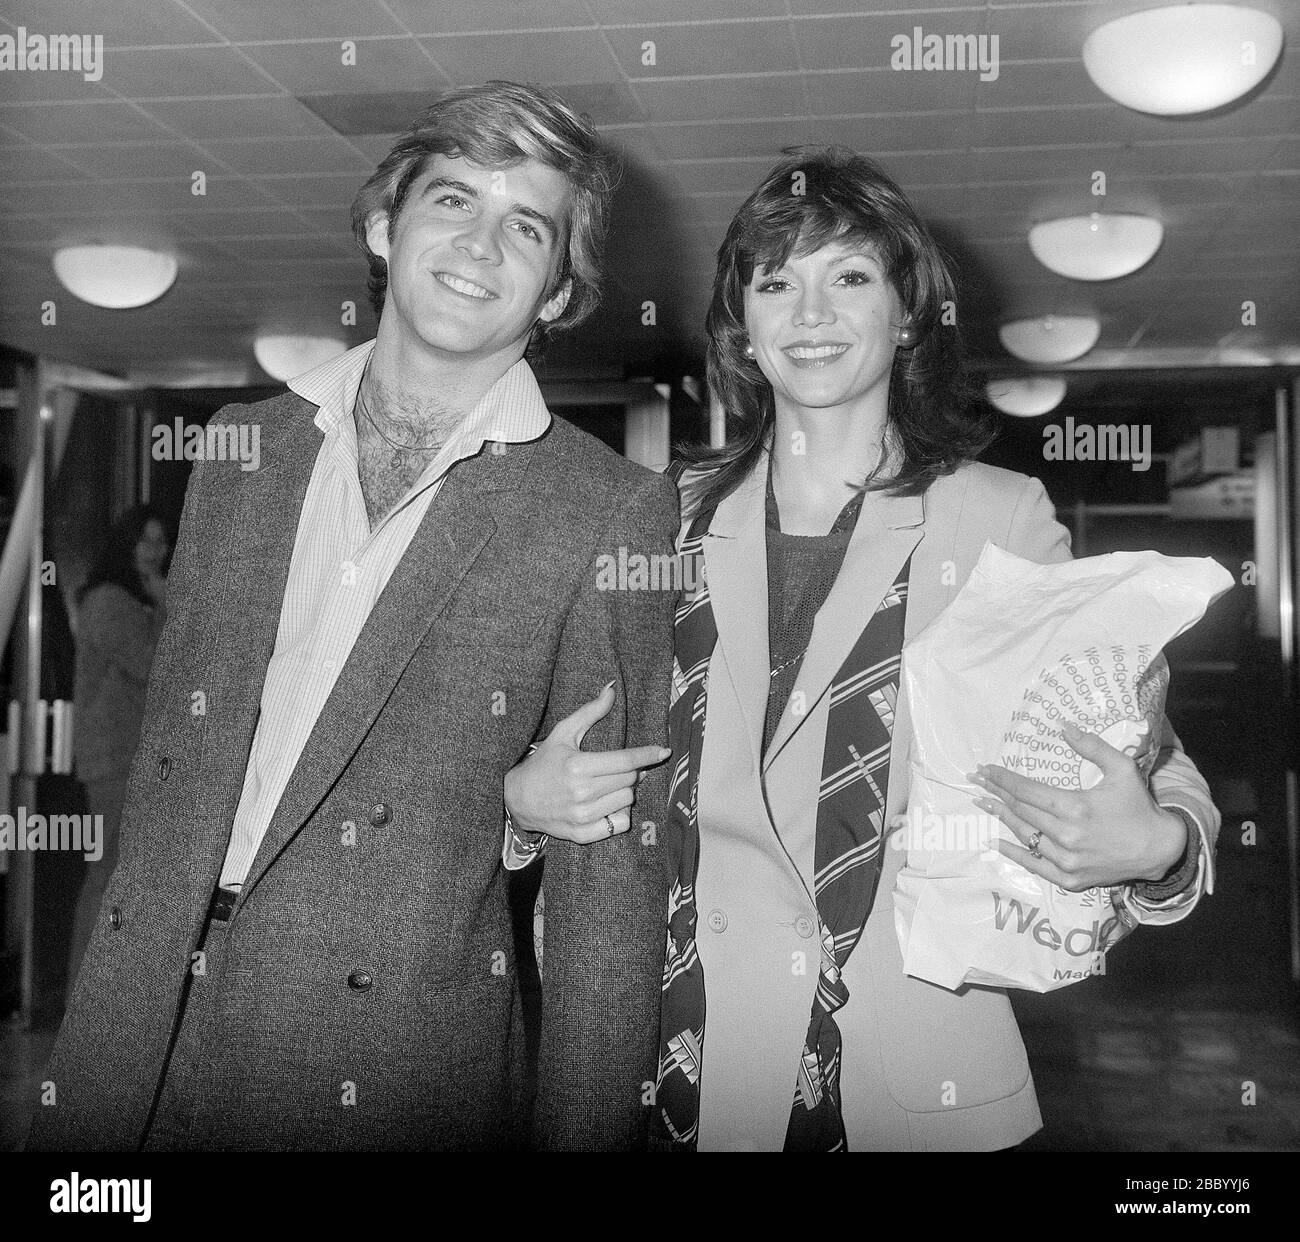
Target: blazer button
[(359, 981), (717, 921), (164, 768), (380, 814), (804, 926), (115, 917)]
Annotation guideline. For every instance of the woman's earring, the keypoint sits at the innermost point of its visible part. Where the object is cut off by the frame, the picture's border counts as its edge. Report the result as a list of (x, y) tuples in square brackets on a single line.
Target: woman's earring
[(906, 336), (749, 351)]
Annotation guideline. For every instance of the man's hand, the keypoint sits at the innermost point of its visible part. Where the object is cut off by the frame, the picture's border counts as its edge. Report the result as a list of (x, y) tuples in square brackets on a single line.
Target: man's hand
[(1113, 833), (563, 792)]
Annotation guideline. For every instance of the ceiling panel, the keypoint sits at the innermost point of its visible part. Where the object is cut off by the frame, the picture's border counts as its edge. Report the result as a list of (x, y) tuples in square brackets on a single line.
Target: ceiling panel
[(263, 116), (123, 23), (257, 21), (533, 56), (704, 49), (106, 121), (322, 68)]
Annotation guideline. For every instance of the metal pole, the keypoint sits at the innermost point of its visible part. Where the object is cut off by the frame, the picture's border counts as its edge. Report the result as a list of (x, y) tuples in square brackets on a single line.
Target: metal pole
[(1288, 472)]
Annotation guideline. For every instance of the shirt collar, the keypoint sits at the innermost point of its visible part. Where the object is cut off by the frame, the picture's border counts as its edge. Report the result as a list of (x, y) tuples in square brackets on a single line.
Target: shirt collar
[(511, 411)]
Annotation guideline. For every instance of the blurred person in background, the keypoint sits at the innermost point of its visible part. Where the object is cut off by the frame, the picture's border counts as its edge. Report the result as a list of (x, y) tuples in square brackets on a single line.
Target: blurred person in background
[(120, 614)]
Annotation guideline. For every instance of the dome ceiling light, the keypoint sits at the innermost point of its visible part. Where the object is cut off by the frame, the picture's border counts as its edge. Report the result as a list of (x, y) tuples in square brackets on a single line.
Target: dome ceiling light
[(115, 277), (1027, 396), (1050, 339), (1184, 58), (1096, 246)]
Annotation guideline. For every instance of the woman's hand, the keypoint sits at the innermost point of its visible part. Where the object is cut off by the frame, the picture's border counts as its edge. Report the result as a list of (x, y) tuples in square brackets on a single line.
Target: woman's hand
[(564, 792), (1113, 833)]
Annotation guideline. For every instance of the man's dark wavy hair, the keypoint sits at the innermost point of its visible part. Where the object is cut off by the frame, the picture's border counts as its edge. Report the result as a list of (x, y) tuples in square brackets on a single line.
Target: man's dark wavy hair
[(496, 125), (816, 195)]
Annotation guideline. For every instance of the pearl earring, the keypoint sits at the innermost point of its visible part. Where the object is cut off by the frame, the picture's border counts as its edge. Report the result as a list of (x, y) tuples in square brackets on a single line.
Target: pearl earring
[(749, 351), (906, 336)]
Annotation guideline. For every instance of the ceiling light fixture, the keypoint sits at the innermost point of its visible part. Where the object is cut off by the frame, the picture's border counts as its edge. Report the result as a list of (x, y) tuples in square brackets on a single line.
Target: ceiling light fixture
[(1184, 58), (1096, 246), (1027, 396), (1050, 339), (115, 277), (284, 356)]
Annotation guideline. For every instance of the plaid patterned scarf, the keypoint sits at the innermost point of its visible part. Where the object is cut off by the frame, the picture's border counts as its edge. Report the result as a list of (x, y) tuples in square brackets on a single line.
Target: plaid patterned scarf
[(850, 830)]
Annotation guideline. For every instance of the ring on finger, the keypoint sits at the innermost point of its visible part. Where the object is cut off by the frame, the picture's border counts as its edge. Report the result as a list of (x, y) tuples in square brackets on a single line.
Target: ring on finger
[(610, 822), (1033, 843)]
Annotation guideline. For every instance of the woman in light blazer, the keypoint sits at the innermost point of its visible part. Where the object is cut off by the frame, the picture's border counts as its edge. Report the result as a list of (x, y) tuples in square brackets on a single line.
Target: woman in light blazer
[(842, 515)]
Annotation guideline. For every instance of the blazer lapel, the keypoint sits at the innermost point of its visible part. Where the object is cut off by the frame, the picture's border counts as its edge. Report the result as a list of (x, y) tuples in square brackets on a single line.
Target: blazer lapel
[(887, 530), (253, 556), (735, 566), (454, 531)]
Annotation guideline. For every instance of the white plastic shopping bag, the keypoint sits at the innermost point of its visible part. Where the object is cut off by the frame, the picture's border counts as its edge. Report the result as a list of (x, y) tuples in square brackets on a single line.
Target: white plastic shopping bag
[(1021, 649)]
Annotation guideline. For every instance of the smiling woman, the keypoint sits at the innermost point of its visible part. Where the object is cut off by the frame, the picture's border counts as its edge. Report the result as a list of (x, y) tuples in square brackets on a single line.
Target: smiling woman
[(839, 519), (836, 221)]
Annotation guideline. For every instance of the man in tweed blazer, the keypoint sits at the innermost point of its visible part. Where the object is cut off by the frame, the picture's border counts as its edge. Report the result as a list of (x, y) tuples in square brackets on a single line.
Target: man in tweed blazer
[(307, 941)]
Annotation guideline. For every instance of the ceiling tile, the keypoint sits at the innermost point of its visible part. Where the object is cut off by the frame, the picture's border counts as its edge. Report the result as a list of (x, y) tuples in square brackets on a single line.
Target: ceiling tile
[(241, 20), (920, 7), (727, 138), (123, 23), (170, 72), (267, 116), (648, 12), (33, 86), (317, 191), (867, 41), (136, 160), (319, 68), (244, 222), (702, 99), (705, 48), (290, 155), (882, 90), (422, 18), (29, 163), (549, 58), (98, 122), (898, 131), (1053, 84)]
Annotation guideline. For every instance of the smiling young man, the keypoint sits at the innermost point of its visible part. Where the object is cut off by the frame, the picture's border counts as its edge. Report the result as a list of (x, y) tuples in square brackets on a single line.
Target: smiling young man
[(307, 943)]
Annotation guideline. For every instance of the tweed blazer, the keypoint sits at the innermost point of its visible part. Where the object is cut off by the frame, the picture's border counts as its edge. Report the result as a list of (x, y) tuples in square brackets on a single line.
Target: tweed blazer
[(490, 630), (923, 1068)]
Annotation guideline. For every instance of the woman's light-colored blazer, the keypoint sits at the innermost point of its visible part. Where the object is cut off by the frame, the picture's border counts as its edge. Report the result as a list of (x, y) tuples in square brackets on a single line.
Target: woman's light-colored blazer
[(924, 1069)]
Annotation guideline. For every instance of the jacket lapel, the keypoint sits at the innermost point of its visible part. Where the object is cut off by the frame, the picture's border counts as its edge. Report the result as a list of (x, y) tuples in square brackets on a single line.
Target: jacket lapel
[(253, 564), (888, 528), (735, 565), (453, 532)]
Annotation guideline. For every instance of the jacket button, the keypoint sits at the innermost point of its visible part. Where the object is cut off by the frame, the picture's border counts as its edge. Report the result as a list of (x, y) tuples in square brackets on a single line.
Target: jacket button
[(380, 814), (717, 921), (115, 917), (359, 981), (804, 926), (164, 768)]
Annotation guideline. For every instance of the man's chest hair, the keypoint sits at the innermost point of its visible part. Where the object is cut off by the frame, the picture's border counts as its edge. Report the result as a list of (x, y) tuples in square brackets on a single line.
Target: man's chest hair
[(386, 474)]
